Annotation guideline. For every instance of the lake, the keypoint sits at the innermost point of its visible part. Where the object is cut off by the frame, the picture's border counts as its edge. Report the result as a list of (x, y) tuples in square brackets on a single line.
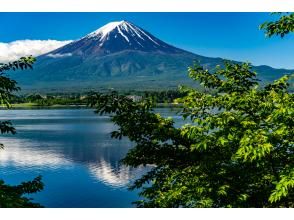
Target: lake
[(73, 151)]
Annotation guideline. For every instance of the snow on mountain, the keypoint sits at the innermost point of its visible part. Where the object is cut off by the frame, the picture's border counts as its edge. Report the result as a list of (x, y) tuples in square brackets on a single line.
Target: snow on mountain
[(123, 28), (115, 37), (104, 30)]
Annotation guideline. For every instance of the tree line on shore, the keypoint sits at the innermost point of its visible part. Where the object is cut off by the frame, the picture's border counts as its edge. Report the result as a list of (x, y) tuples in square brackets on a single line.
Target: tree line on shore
[(167, 97)]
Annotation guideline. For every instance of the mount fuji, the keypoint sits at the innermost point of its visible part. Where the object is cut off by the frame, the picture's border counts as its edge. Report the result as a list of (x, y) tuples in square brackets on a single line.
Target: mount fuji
[(121, 56), (115, 37)]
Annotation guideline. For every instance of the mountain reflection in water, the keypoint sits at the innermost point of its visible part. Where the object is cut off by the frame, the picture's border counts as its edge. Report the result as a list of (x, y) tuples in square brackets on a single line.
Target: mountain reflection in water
[(73, 151)]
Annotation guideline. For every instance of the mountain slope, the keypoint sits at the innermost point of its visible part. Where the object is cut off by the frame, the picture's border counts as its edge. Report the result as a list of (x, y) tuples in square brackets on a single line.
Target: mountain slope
[(119, 55), (115, 37)]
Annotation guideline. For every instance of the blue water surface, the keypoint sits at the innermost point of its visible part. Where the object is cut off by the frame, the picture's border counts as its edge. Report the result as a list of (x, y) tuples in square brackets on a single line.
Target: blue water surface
[(73, 151)]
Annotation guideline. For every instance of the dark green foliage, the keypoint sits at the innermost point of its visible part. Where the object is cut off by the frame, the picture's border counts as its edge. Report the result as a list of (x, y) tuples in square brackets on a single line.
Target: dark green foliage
[(237, 150), (13, 196), (6, 127), (50, 100), (281, 27), (7, 85), (163, 96), (34, 98), (64, 99)]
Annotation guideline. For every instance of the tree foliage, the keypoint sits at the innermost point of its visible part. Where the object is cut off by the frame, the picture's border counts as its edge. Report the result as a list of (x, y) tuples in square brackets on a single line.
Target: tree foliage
[(280, 27), (13, 196), (237, 150)]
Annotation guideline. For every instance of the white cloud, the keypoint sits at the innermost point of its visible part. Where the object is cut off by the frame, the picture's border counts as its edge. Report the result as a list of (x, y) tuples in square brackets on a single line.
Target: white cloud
[(14, 50), (59, 55)]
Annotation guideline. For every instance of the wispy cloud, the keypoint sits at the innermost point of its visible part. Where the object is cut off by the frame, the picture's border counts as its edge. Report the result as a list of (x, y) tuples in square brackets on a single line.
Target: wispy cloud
[(14, 50), (59, 55)]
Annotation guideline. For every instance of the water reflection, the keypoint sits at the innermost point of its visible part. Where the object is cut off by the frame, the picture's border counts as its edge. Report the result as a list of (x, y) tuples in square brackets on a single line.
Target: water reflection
[(18, 154), (73, 151), (24, 154), (119, 177)]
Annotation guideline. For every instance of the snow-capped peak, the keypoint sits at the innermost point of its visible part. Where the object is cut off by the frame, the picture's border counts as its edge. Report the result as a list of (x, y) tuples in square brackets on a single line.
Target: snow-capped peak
[(124, 28), (104, 30), (115, 37)]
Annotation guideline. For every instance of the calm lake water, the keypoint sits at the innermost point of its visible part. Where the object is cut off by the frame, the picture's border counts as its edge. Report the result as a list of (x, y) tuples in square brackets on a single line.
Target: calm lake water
[(73, 151)]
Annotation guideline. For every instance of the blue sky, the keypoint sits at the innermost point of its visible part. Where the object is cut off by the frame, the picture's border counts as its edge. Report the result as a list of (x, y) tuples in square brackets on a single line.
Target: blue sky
[(227, 35)]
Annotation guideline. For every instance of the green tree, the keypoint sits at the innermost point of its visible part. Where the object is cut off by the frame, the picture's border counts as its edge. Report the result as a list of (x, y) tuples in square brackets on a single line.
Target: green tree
[(34, 98), (280, 27), (236, 151), (13, 196)]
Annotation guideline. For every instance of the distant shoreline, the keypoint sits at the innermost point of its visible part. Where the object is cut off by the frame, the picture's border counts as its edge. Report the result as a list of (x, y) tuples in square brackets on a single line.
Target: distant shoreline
[(36, 106), (81, 106)]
